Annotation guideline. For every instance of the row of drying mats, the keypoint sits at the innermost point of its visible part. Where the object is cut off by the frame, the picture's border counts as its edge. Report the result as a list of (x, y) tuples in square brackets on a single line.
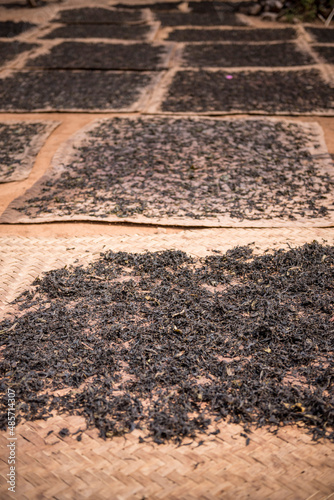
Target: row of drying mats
[(154, 60), (174, 63), (261, 181)]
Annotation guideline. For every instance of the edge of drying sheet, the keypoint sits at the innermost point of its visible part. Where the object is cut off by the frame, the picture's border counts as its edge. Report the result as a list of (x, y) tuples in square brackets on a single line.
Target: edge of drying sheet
[(67, 150)]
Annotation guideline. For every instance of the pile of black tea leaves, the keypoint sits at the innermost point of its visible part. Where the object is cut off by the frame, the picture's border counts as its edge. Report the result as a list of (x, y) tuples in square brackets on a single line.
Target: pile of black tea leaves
[(171, 344)]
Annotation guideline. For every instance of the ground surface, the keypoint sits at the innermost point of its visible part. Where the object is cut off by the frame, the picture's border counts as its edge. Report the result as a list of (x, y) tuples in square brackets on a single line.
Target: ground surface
[(159, 316)]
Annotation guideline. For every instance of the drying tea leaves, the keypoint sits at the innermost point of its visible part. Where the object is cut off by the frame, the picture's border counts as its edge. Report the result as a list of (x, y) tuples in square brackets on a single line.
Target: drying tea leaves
[(256, 91), (235, 35), (91, 15), (10, 50), (221, 55), (10, 28), (170, 344), (111, 31), (19, 145), (168, 6), (78, 55), (198, 7), (66, 90), (187, 168), (198, 14), (326, 52), (198, 19), (321, 35)]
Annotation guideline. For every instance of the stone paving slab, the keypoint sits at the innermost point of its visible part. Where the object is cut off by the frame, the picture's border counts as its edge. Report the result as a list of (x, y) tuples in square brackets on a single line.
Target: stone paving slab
[(116, 32), (10, 50), (79, 55), (321, 35), (20, 142), (186, 172), (232, 35), (268, 92), (73, 90), (237, 55)]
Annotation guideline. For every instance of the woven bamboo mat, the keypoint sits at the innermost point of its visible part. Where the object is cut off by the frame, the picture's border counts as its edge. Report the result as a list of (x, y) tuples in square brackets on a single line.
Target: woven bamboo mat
[(106, 185), (288, 466), (22, 259)]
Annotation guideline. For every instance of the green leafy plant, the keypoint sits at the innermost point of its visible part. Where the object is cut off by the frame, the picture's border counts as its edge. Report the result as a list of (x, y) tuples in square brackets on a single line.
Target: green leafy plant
[(307, 10)]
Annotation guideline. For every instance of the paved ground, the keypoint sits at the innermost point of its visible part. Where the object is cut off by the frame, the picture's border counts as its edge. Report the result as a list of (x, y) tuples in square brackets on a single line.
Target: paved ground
[(59, 75)]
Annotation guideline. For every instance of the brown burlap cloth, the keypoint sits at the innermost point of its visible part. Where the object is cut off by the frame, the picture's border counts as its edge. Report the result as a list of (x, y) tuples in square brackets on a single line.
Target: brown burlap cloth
[(286, 466), (23, 160), (41, 203)]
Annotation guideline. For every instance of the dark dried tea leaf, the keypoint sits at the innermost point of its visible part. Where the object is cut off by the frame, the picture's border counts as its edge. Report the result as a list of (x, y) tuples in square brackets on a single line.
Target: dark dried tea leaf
[(187, 169), (169, 344)]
